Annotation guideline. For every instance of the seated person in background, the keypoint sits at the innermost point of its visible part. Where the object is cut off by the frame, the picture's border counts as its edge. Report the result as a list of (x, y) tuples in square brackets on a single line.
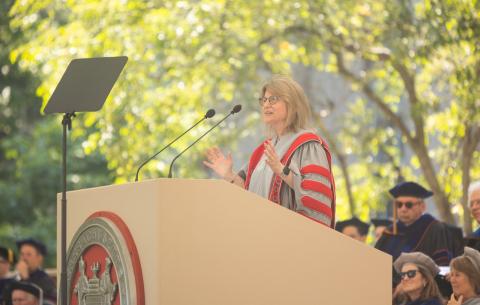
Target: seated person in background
[(7, 259), (29, 266), (417, 231), (417, 286), (473, 240), (474, 203), (23, 293), (354, 228), (380, 225), (465, 278)]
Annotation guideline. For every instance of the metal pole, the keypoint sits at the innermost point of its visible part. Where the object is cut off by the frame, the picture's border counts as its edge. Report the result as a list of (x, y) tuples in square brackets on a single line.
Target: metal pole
[(66, 122)]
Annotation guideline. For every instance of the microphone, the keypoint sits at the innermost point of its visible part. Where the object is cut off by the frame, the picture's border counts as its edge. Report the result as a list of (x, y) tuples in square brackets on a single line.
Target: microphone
[(235, 109), (210, 113)]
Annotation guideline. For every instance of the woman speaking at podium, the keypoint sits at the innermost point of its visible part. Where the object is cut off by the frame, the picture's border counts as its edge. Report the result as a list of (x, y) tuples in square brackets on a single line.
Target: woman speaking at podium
[(292, 167)]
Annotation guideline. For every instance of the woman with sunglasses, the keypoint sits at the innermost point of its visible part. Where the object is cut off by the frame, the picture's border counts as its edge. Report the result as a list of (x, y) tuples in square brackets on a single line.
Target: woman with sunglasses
[(465, 278), (417, 286), (292, 167)]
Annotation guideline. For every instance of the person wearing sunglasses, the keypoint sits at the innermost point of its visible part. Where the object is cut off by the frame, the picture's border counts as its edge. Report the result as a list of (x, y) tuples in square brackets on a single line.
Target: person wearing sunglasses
[(465, 278), (292, 167), (417, 287), (415, 230)]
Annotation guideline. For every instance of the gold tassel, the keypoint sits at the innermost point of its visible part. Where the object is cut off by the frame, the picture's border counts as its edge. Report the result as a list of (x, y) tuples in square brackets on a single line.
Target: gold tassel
[(394, 218), (10, 256)]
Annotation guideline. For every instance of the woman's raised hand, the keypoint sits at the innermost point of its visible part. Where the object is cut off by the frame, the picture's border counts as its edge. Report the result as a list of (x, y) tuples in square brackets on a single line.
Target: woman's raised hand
[(454, 301), (272, 158), (219, 163)]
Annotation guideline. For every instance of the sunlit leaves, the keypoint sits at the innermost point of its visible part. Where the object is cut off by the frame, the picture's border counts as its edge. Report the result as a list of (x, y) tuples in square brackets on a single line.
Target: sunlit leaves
[(186, 57)]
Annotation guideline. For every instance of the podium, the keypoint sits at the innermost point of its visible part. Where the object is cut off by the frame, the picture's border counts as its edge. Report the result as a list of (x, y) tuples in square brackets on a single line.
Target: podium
[(208, 242)]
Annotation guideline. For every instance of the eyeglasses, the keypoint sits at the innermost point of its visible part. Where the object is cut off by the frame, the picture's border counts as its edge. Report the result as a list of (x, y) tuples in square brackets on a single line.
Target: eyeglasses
[(272, 99), (408, 204), (410, 274)]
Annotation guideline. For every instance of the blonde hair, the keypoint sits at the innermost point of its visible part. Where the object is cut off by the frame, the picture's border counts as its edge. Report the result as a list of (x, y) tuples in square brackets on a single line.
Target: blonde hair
[(298, 107)]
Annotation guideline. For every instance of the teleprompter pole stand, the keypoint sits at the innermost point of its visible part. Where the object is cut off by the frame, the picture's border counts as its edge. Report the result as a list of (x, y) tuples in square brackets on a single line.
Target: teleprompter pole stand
[(67, 123), (84, 87)]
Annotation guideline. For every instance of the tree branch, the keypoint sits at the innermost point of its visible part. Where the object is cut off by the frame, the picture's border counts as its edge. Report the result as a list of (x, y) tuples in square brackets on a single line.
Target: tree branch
[(409, 83), (342, 160), (367, 90)]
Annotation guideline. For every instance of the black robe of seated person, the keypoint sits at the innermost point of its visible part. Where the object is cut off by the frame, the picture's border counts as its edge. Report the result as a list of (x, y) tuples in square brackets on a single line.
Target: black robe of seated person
[(44, 281), (426, 235)]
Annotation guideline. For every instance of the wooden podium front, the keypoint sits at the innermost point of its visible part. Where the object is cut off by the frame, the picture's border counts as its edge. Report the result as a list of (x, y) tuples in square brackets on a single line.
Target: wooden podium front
[(208, 242)]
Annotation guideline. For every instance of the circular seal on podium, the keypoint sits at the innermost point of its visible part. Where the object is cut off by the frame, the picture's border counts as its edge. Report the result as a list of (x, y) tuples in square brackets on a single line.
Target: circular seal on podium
[(103, 265)]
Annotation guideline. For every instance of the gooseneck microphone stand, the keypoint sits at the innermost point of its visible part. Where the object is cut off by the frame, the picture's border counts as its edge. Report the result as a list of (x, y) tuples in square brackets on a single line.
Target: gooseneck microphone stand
[(210, 113), (235, 109)]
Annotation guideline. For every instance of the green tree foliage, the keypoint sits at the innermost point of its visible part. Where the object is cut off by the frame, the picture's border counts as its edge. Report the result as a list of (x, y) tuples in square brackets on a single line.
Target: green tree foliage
[(411, 68), (409, 61), (30, 152)]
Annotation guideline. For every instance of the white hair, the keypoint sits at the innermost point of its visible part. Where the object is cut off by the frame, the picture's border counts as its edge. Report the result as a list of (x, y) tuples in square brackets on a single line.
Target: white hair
[(474, 186)]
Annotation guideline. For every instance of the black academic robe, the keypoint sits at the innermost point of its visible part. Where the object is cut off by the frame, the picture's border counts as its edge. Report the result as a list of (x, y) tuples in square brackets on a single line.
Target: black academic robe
[(473, 240), (4, 283), (426, 235), (44, 281)]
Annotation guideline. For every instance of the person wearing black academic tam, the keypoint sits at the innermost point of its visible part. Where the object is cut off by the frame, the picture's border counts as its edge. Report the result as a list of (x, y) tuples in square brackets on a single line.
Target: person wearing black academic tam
[(29, 266), (415, 230), (354, 228), (23, 293), (7, 259)]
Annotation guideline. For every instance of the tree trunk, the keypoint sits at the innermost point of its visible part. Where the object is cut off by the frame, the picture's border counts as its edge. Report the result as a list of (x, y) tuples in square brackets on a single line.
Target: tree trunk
[(342, 160), (439, 196), (416, 141)]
